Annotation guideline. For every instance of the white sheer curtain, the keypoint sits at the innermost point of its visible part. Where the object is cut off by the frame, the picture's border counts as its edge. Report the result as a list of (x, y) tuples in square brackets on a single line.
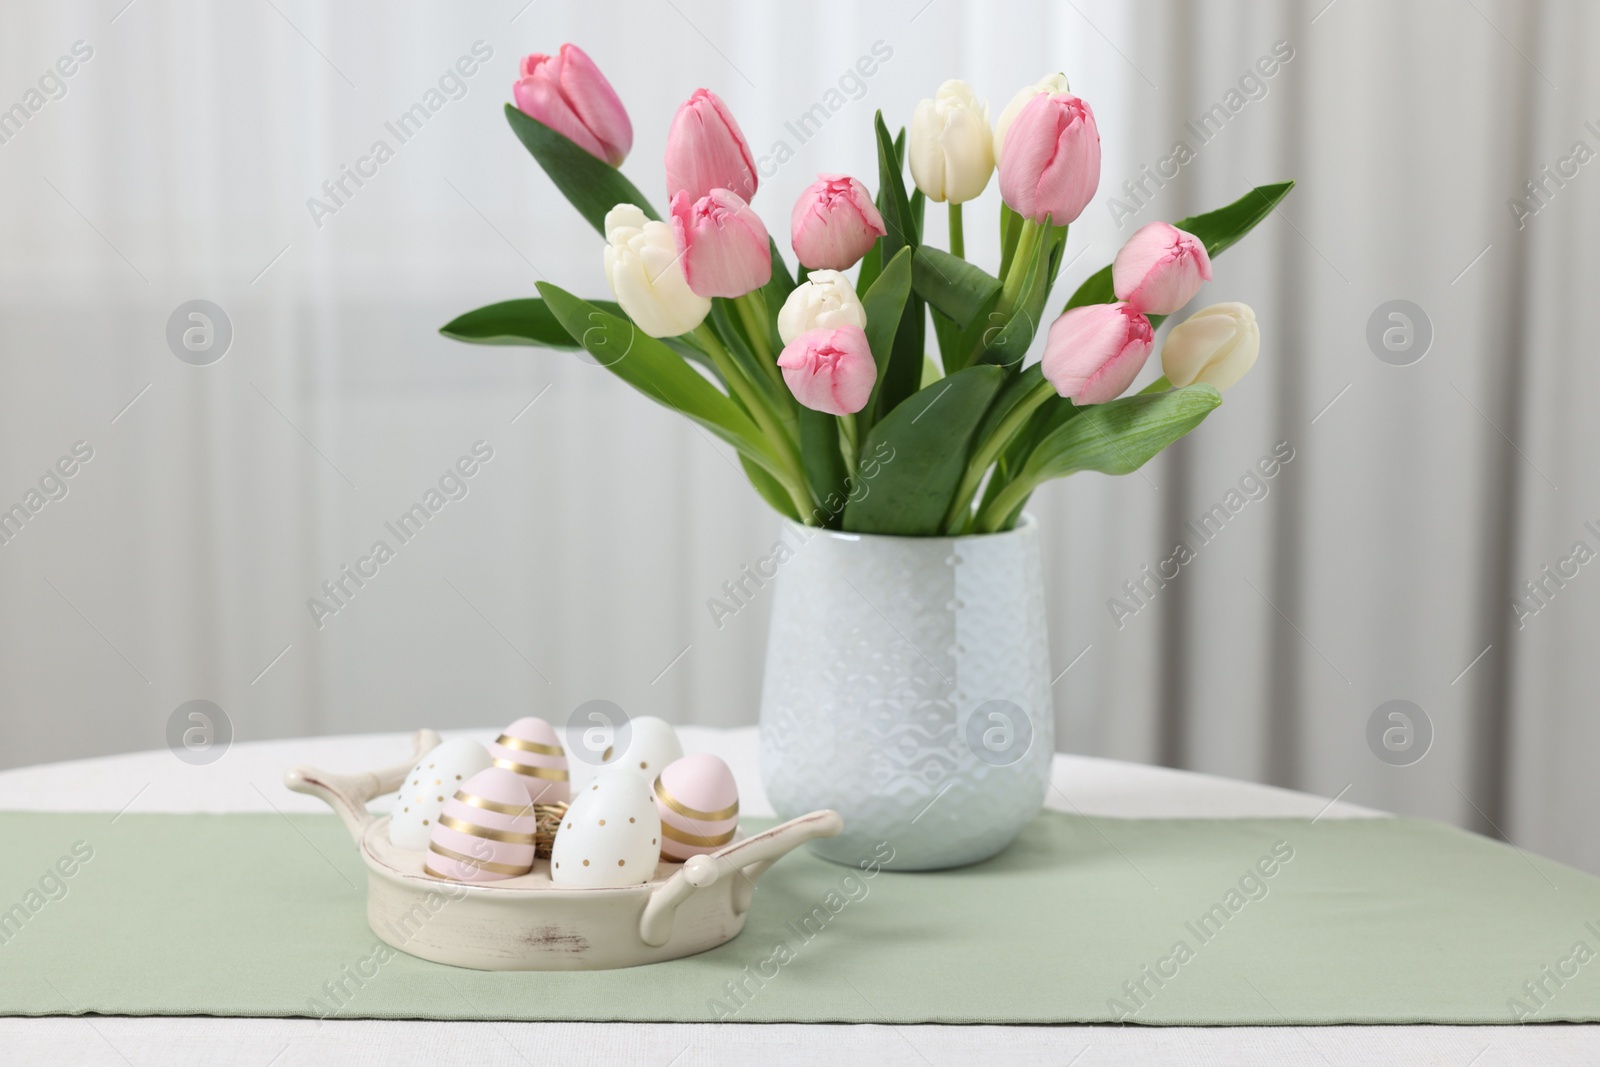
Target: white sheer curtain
[(1380, 563)]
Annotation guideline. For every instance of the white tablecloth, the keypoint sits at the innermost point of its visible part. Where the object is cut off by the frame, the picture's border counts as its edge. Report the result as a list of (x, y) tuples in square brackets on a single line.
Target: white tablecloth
[(249, 778)]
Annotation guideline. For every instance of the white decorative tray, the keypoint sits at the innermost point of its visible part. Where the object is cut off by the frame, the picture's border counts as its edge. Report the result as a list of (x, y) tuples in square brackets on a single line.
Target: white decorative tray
[(529, 923)]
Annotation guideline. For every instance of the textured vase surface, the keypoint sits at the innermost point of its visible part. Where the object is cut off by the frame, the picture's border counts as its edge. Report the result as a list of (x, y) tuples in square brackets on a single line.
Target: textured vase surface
[(908, 688)]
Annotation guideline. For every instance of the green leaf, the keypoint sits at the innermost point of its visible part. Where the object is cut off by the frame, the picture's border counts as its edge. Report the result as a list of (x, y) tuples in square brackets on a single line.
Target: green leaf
[(952, 285), (1010, 232), (892, 202), (884, 303), (771, 490), (528, 321), (1122, 435), (592, 185), (658, 372), (921, 459), (515, 322), (1219, 229)]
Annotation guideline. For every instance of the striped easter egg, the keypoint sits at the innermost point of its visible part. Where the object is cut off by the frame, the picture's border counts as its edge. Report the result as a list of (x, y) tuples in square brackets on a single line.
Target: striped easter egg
[(530, 748), (485, 832), (699, 806)]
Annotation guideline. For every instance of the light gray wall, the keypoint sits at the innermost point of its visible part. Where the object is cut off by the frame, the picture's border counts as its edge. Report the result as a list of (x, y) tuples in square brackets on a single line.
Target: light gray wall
[(178, 165)]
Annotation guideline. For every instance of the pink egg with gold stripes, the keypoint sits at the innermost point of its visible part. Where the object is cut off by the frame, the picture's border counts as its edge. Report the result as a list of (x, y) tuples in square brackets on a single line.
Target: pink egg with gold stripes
[(530, 749), (699, 806), (485, 832)]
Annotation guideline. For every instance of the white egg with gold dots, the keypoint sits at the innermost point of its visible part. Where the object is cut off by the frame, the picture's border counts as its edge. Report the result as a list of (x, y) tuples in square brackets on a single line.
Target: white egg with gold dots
[(652, 744), (610, 836), (427, 786)]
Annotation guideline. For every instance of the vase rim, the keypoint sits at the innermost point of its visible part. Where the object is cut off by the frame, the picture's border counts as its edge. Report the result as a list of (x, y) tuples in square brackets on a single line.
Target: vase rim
[(1025, 524)]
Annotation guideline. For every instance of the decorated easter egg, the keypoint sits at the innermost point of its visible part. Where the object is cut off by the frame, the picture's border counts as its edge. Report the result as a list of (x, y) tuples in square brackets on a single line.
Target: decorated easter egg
[(530, 748), (435, 778), (699, 806), (652, 744), (610, 836), (485, 832)]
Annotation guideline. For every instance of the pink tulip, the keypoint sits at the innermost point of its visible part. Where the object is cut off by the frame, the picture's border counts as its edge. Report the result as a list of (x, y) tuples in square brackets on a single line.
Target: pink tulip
[(834, 223), (724, 246), (1051, 159), (830, 370), (1094, 352), (706, 151), (1160, 268), (568, 93)]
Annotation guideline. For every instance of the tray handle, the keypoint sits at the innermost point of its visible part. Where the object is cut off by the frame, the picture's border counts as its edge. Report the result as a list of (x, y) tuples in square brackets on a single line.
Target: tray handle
[(347, 794), (745, 860)]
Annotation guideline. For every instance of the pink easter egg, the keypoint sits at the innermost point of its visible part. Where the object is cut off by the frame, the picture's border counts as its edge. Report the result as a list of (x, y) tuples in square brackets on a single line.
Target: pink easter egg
[(485, 832), (530, 748), (699, 805)]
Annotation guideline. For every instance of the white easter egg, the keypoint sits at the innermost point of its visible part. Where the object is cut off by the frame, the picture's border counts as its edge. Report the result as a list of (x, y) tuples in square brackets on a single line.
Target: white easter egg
[(652, 744), (610, 836), (434, 780)]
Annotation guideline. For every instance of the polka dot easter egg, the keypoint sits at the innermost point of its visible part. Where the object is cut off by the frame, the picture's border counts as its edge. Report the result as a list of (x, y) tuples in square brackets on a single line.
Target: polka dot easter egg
[(434, 780), (485, 831), (530, 748), (699, 806), (611, 835), (652, 744)]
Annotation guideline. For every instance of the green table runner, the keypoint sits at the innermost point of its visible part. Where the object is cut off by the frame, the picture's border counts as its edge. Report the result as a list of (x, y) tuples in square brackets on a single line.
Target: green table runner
[(1163, 922)]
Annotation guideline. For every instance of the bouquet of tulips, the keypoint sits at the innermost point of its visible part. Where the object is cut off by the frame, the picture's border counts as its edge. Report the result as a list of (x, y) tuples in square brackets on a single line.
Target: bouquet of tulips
[(820, 383)]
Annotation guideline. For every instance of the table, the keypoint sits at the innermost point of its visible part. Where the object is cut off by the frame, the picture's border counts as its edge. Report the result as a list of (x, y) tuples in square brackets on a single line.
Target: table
[(249, 776)]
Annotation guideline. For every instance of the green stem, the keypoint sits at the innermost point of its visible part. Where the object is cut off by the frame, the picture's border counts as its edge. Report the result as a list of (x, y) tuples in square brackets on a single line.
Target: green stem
[(958, 241), (956, 519), (793, 474), (1011, 288), (755, 324), (849, 443), (1011, 497)]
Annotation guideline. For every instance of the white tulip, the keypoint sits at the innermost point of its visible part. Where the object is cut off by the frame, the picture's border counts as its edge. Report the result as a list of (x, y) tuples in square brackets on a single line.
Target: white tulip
[(1050, 83), (950, 146), (826, 299), (646, 274), (1215, 345)]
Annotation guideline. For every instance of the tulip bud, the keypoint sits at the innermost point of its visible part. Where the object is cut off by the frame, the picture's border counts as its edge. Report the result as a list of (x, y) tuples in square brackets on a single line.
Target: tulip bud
[(646, 276), (706, 150), (1160, 268), (1215, 345), (1051, 164), (725, 247), (1050, 83), (568, 93), (830, 370), (1094, 352), (834, 223), (950, 146), (825, 300)]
